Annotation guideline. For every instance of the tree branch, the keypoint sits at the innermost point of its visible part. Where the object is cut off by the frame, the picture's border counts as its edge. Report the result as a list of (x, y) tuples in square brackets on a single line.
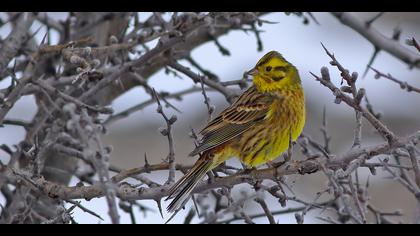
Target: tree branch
[(378, 39), (13, 42)]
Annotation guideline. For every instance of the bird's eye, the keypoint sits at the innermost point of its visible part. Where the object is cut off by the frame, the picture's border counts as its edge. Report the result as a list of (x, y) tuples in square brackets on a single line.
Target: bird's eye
[(268, 68)]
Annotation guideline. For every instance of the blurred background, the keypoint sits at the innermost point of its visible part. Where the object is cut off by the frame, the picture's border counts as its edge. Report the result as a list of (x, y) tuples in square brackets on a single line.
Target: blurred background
[(138, 134)]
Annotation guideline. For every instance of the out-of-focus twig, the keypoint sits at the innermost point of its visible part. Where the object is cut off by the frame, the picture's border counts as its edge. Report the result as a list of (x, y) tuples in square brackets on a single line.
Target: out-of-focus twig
[(378, 39)]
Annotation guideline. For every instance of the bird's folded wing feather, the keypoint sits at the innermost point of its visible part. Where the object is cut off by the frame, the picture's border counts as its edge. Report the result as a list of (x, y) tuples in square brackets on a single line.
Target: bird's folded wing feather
[(250, 108)]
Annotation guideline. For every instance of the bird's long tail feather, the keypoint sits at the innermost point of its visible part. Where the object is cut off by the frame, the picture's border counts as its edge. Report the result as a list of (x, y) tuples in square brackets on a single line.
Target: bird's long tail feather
[(181, 191)]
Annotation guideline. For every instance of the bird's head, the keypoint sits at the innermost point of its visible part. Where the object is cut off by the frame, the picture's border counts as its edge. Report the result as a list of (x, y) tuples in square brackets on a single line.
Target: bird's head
[(273, 72)]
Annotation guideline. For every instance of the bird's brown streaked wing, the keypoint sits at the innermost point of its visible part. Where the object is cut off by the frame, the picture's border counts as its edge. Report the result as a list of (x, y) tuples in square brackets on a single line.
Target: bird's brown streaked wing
[(250, 108)]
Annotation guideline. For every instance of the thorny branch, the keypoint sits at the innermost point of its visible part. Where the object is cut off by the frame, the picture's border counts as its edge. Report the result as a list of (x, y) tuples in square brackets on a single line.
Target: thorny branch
[(168, 133), (403, 85), (377, 39), (14, 41)]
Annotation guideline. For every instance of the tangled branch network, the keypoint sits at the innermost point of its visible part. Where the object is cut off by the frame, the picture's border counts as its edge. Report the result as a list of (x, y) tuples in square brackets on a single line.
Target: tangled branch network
[(101, 56)]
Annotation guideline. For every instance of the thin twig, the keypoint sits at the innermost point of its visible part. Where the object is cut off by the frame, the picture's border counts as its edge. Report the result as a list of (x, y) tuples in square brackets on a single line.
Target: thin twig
[(340, 96), (168, 133), (101, 166), (123, 114), (355, 195), (77, 203), (210, 108), (324, 131), (404, 85), (415, 163), (378, 39), (69, 98), (357, 141), (267, 211), (229, 94)]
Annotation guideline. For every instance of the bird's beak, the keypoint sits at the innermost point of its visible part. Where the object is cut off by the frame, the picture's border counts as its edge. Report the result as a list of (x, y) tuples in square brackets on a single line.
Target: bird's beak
[(253, 71)]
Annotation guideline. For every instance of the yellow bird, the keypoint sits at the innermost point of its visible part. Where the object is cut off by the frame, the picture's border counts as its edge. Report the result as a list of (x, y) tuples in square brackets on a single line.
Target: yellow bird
[(256, 128)]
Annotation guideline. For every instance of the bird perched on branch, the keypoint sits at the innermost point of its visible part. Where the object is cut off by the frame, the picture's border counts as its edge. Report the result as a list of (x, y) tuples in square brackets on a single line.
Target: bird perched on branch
[(256, 128)]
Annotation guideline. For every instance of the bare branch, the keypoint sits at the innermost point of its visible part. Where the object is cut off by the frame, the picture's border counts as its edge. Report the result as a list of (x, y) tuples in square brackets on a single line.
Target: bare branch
[(141, 106), (229, 94), (210, 108), (168, 133), (74, 82), (324, 131), (415, 163), (76, 203), (69, 98), (377, 39), (13, 42), (50, 22), (340, 96), (404, 85), (267, 211), (355, 195)]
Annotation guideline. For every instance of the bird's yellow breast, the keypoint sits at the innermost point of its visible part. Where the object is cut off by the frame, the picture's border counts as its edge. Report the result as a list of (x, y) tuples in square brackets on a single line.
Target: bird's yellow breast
[(269, 139)]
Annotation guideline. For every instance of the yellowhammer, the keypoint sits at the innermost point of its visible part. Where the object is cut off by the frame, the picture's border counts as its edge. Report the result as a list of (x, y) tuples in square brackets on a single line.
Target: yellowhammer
[(256, 128)]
